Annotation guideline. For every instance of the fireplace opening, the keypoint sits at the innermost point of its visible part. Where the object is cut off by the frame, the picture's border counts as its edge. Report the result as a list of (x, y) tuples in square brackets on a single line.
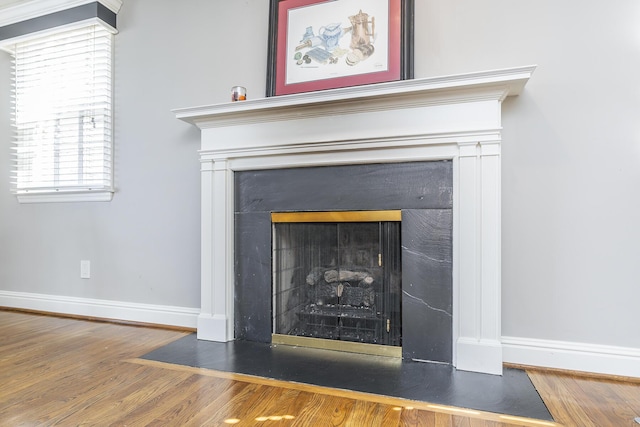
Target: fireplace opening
[(337, 280)]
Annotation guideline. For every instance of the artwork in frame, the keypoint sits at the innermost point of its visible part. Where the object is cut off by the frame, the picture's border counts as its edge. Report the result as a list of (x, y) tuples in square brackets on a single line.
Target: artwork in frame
[(326, 44)]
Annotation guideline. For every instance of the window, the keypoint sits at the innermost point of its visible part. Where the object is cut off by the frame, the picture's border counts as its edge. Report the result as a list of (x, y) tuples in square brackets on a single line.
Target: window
[(62, 115)]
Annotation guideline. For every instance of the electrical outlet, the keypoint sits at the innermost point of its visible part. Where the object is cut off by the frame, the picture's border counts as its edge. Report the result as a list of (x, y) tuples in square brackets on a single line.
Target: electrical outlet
[(85, 269)]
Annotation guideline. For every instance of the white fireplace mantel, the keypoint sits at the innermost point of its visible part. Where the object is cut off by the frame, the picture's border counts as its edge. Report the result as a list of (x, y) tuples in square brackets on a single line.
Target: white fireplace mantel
[(452, 117)]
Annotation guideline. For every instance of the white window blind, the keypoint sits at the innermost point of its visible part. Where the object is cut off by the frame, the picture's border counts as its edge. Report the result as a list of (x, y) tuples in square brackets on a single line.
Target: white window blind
[(62, 112)]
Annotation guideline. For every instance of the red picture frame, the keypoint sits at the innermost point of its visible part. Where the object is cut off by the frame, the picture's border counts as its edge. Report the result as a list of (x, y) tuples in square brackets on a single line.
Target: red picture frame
[(325, 44)]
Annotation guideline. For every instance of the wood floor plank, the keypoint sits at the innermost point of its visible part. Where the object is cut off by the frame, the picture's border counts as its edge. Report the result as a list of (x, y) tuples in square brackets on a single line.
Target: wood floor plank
[(108, 409), (386, 415), (178, 405), (345, 412), (256, 401), (320, 410), (412, 417), (81, 402), (561, 398), (221, 406), (609, 400), (359, 413), (291, 403)]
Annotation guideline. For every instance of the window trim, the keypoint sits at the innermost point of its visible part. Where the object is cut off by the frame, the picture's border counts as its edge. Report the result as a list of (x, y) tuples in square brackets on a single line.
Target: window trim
[(66, 196)]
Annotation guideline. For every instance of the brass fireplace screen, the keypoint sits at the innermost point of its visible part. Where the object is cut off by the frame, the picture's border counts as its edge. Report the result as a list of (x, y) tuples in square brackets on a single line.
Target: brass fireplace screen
[(337, 280)]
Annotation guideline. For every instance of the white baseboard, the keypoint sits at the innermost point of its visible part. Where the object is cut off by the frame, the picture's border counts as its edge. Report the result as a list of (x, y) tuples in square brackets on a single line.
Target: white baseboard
[(479, 356), (214, 328), (601, 359), (117, 310)]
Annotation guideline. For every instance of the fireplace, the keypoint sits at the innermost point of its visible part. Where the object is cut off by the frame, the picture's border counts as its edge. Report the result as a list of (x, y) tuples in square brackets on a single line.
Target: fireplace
[(337, 276), (452, 122)]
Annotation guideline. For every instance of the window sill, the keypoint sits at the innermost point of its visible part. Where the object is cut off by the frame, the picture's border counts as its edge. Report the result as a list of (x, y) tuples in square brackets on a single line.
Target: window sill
[(61, 197)]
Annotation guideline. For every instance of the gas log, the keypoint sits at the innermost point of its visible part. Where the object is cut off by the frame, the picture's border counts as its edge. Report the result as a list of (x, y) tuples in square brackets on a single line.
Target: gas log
[(343, 287)]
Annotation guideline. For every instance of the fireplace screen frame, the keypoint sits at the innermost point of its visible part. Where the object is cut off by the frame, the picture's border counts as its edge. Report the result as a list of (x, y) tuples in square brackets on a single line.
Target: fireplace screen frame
[(371, 324)]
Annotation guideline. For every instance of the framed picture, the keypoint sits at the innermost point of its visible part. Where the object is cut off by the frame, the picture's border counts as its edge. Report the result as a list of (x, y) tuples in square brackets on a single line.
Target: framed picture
[(326, 44)]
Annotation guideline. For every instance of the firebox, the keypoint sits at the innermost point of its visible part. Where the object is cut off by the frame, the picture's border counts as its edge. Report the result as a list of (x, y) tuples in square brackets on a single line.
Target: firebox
[(337, 280)]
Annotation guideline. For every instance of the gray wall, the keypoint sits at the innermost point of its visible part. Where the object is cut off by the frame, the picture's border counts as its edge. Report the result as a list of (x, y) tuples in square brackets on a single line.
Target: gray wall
[(571, 158)]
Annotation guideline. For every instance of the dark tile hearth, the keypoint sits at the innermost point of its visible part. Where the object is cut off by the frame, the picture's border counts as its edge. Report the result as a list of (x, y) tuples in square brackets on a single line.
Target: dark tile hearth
[(511, 394)]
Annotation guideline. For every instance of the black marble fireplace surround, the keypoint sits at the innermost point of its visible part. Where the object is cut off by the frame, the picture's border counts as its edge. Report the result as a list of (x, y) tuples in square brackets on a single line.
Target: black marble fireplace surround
[(424, 193)]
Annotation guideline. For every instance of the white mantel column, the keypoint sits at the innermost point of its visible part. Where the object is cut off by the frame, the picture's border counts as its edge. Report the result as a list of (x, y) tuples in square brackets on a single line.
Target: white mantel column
[(478, 346), (215, 322)]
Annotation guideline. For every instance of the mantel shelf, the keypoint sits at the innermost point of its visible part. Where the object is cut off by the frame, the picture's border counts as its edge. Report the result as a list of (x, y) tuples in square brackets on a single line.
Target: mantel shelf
[(500, 83)]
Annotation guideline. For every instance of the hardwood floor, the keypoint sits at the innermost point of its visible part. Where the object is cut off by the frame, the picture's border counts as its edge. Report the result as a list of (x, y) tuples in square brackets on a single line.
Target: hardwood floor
[(580, 400), (66, 372)]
